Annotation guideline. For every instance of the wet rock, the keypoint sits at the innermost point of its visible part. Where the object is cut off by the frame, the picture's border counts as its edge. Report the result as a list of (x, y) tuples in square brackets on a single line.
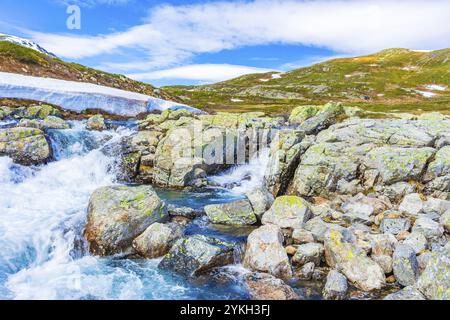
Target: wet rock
[(186, 212), (336, 286), (434, 282), (309, 252), (118, 214), (52, 122), (429, 228), (194, 255), (405, 265), (302, 236), (263, 286), (261, 200), (157, 239), (265, 252), (234, 213), (288, 212), (96, 123), (27, 146), (5, 112), (407, 293), (417, 242)]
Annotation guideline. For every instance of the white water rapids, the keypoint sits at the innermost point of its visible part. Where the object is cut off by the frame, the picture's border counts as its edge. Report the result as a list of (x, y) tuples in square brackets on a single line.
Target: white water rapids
[(43, 211)]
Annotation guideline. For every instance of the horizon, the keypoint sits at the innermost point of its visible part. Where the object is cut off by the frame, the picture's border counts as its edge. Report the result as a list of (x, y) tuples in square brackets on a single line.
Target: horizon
[(166, 43)]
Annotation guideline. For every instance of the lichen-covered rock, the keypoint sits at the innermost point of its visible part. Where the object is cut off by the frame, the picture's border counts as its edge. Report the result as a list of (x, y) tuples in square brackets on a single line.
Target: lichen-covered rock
[(157, 239), (327, 116), (339, 248), (319, 228), (194, 255), (405, 265), (52, 122), (394, 225), (363, 273), (429, 228), (265, 252), (5, 112), (27, 146), (309, 252), (303, 113), (434, 282), (41, 112), (261, 200), (288, 212), (302, 236), (412, 204), (383, 244), (96, 123), (417, 242), (397, 164), (336, 286), (385, 262), (440, 166), (263, 286), (239, 212), (118, 214), (407, 293)]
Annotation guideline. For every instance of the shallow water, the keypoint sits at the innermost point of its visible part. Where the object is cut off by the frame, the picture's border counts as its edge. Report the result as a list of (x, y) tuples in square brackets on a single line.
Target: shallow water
[(43, 213)]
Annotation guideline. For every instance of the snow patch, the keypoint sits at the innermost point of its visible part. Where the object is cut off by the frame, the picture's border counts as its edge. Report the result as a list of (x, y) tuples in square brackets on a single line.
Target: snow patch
[(436, 87), (79, 96), (25, 43), (426, 94), (236, 100), (276, 76)]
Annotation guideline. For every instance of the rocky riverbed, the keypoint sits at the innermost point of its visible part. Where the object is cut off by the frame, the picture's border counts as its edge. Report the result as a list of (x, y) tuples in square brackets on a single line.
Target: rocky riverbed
[(330, 203)]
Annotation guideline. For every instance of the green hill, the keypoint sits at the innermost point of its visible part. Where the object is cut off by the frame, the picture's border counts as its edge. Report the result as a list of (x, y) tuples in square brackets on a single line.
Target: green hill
[(394, 80)]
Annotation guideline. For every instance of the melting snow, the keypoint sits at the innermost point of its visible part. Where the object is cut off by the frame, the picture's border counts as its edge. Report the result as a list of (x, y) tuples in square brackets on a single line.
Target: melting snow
[(236, 100), (276, 76), (25, 43), (79, 96), (426, 94)]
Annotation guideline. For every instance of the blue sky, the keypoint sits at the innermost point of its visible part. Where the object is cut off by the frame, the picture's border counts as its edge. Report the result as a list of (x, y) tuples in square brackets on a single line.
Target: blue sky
[(192, 42)]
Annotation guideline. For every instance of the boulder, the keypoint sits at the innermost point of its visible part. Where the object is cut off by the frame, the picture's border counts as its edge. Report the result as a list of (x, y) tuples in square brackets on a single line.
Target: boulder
[(434, 282), (96, 123), (407, 293), (405, 265), (302, 236), (118, 214), (364, 273), (309, 252), (445, 221), (41, 112), (339, 249), (429, 228), (234, 213), (417, 242), (261, 200), (187, 212), (319, 228), (335, 286), (265, 252), (397, 164), (302, 113), (195, 255), (263, 286), (385, 262), (394, 225), (157, 239), (383, 244), (27, 146), (52, 122), (306, 272), (412, 204), (327, 116), (288, 212)]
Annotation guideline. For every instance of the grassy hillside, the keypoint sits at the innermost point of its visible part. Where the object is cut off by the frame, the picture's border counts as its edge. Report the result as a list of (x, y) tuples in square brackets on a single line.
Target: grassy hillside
[(394, 80), (18, 59)]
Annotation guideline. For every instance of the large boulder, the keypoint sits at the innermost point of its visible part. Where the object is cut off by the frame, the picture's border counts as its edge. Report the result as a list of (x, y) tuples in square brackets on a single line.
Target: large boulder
[(157, 239), (288, 212), (335, 286), (194, 255), (41, 112), (263, 286), (302, 113), (405, 265), (118, 214), (429, 228), (265, 252), (434, 282), (27, 146), (261, 200), (327, 116), (239, 212)]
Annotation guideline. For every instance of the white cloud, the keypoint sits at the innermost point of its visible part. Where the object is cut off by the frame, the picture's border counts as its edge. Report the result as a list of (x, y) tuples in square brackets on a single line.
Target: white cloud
[(171, 35), (199, 72)]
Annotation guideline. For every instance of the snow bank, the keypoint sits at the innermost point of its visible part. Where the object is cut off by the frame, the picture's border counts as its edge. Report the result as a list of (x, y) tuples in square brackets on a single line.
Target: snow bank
[(79, 96)]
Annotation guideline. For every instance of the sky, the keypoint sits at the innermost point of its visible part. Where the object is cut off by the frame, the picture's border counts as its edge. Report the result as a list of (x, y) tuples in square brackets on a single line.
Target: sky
[(196, 42)]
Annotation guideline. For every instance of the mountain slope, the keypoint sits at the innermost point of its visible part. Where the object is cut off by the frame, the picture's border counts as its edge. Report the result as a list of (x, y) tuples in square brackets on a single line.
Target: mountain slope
[(27, 59), (390, 80)]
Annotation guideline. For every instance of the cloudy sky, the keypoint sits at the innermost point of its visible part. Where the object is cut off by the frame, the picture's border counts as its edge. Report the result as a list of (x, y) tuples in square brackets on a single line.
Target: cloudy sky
[(192, 41)]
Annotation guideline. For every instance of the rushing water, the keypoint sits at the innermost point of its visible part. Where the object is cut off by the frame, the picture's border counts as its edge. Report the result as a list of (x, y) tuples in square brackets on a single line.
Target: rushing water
[(43, 214)]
